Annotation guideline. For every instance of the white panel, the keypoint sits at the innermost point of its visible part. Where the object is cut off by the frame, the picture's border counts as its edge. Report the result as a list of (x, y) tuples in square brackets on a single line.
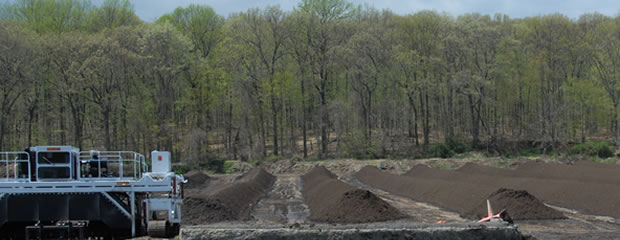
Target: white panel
[(160, 162)]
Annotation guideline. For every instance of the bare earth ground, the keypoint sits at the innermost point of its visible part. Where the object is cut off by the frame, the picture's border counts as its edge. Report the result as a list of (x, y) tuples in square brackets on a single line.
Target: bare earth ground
[(284, 206)]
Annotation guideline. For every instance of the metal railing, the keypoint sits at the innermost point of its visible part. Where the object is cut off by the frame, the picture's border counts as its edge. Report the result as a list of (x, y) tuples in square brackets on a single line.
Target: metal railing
[(111, 165), (15, 166), (91, 165)]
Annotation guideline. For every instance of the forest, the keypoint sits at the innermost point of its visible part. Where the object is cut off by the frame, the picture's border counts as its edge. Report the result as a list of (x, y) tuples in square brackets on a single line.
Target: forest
[(328, 79)]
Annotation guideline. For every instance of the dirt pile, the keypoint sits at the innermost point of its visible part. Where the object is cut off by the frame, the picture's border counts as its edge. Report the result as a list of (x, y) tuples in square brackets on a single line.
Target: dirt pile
[(231, 202), (452, 195), (195, 178), (331, 200), (486, 170), (587, 187), (519, 204), (452, 190)]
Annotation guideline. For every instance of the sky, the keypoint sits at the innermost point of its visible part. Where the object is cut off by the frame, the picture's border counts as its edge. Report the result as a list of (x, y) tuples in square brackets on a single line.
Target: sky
[(150, 10)]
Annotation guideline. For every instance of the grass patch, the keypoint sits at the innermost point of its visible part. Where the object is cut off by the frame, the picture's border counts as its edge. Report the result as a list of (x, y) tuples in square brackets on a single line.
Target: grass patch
[(182, 169), (612, 160), (595, 148), (442, 164), (228, 167), (500, 163)]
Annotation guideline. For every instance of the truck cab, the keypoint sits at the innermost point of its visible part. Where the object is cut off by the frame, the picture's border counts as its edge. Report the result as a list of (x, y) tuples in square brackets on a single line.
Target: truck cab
[(54, 163), (67, 192)]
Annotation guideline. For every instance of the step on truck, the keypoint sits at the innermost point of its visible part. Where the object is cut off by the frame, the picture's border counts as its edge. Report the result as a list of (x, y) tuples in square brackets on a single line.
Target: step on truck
[(60, 192)]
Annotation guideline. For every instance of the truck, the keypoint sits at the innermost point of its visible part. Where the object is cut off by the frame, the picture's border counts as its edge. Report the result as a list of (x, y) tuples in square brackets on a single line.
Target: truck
[(60, 192)]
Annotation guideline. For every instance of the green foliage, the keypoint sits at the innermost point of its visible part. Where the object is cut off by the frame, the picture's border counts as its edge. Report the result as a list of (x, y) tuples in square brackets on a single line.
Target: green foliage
[(183, 168), (440, 150), (327, 10), (45, 16), (111, 14), (530, 152), (358, 148), (456, 145), (200, 24), (449, 148), (228, 167), (57, 16), (601, 149), (364, 80)]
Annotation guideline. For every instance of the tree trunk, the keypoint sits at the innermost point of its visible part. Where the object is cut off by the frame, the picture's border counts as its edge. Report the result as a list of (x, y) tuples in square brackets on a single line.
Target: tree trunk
[(425, 118), (475, 127), (616, 129), (106, 128), (2, 129), (450, 113), (274, 116), (62, 123), (324, 119), (263, 133), (415, 118), (231, 142), (304, 113), (368, 115)]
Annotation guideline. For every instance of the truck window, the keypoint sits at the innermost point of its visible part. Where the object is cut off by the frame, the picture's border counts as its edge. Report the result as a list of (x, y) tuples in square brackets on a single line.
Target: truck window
[(53, 157), (54, 165), (54, 172)]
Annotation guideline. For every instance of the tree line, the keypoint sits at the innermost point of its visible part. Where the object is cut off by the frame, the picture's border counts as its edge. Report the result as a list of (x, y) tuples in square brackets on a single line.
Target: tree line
[(327, 79)]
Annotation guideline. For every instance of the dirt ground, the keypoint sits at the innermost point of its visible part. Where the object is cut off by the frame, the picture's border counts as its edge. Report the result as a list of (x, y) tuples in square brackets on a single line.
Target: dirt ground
[(585, 194)]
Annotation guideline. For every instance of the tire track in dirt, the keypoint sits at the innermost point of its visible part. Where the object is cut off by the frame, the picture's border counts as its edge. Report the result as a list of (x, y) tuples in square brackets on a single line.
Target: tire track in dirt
[(284, 203), (418, 211), (576, 226)]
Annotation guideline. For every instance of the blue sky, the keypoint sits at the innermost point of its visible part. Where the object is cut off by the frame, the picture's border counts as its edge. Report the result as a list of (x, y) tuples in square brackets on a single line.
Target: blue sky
[(150, 10)]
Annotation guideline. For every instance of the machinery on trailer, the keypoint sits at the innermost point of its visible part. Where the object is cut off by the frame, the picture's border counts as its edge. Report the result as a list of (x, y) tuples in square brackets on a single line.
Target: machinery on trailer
[(56, 192)]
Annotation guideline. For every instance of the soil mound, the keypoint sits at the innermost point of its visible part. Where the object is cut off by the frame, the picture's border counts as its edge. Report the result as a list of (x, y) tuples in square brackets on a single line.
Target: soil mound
[(457, 196), (519, 204), (195, 178), (331, 200), (590, 191), (419, 170), (232, 202), (472, 168)]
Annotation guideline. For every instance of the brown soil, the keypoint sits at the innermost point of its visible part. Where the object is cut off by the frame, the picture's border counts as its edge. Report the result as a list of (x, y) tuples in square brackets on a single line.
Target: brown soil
[(331, 200), (584, 172), (457, 194), (195, 178), (231, 202), (519, 204), (589, 188)]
